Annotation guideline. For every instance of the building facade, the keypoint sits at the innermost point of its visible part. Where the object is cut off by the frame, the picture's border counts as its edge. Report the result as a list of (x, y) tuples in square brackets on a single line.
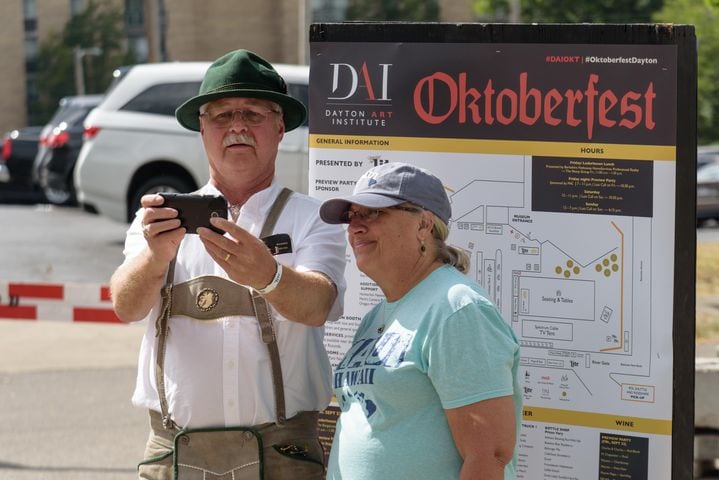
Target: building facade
[(169, 30)]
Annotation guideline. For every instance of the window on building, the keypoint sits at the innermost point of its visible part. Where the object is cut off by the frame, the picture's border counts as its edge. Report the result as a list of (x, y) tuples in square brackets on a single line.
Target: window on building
[(76, 7), (31, 93), (134, 15), (29, 9), (138, 47), (135, 29), (31, 48), (329, 10)]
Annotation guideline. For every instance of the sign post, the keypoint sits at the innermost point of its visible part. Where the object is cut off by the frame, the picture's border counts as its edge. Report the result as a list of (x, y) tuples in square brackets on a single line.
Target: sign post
[(568, 153)]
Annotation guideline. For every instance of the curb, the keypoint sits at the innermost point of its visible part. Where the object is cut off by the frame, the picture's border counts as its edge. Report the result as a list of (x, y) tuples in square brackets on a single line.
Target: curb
[(71, 302)]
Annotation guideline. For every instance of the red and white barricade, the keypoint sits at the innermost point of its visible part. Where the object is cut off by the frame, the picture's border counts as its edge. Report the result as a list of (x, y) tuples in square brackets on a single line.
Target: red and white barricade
[(69, 302)]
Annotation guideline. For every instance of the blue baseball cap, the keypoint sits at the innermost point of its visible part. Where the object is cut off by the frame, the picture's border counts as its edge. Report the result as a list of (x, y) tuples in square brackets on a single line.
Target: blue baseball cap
[(389, 185)]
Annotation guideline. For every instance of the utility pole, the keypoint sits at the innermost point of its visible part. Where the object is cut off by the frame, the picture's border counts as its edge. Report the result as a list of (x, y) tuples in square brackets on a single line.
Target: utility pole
[(79, 55), (153, 30), (304, 14), (515, 11)]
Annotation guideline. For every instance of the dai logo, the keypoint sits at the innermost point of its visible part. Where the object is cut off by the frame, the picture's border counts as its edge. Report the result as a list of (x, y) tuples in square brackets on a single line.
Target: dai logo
[(348, 81)]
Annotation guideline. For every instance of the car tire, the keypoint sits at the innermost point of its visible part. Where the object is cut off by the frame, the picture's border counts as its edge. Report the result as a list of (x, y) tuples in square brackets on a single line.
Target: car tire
[(60, 196), (160, 183)]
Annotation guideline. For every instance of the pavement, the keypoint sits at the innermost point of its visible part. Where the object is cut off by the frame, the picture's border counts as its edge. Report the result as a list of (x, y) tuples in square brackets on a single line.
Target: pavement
[(65, 391), (707, 305), (34, 346)]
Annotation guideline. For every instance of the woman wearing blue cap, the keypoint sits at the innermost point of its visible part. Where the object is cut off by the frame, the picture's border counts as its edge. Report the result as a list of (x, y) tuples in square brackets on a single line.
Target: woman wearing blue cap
[(429, 387)]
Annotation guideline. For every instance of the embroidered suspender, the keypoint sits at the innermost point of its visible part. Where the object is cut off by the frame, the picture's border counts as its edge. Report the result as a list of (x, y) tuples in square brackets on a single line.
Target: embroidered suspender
[(179, 300)]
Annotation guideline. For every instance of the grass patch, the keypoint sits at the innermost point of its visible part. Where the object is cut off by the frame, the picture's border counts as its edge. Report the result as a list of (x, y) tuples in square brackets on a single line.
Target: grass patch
[(707, 327), (707, 291), (707, 269)]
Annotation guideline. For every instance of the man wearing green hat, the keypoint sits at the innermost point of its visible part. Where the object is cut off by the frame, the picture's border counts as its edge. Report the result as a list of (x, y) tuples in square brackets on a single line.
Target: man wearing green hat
[(232, 367)]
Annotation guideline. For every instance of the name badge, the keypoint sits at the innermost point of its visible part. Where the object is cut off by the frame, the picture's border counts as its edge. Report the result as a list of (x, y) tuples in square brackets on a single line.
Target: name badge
[(278, 243)]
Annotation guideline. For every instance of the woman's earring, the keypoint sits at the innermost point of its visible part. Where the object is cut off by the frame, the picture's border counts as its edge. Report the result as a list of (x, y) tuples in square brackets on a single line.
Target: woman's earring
[(422, 249)]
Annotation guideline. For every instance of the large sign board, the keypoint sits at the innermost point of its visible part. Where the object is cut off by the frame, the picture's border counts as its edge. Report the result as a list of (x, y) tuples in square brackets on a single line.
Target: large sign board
[(565, 152)]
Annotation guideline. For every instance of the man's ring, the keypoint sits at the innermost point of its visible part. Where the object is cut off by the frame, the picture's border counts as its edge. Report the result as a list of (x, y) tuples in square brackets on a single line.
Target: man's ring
[(227, 257), (146, 232)]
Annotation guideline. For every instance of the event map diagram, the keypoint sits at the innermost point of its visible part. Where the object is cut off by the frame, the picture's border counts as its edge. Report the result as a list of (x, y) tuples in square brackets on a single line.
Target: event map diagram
[(575, 288), (571, 251)]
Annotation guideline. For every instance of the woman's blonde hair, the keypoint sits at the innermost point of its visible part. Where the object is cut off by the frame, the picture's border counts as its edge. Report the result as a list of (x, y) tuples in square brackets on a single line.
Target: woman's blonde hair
[(448, 254)]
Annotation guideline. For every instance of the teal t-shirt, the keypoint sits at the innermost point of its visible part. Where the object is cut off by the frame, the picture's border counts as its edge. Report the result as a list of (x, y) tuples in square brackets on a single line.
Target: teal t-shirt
[(443, 345)]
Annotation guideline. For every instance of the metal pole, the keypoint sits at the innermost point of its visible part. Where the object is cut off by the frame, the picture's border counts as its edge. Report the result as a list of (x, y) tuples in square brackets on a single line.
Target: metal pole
[(515, 11), (153, 30), (78, 56), (78, 53), (303, 16)]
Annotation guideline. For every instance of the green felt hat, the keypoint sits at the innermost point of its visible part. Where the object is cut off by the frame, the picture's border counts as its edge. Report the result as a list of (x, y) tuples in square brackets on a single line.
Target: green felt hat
[(242, 74)]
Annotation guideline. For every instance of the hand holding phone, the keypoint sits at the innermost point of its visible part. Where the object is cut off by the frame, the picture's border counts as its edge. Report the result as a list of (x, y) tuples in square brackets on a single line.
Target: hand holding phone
[(196, 210)]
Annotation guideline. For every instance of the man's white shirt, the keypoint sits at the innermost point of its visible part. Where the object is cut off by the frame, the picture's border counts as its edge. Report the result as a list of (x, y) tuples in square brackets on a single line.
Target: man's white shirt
[(218, 373)]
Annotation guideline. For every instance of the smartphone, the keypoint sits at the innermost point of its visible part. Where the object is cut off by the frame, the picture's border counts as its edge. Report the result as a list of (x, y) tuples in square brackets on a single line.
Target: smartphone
[(196, 210)]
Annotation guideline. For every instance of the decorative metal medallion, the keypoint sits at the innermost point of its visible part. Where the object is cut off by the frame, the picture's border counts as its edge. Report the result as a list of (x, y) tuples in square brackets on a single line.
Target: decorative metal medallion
[(207, 299)]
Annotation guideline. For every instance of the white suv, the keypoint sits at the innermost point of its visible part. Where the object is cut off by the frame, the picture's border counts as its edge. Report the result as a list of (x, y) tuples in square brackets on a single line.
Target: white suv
[(133, 144)]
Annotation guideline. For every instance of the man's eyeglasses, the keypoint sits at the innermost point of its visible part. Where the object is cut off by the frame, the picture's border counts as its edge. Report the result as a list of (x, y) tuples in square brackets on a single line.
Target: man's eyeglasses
[(251, 116), (372, 214)]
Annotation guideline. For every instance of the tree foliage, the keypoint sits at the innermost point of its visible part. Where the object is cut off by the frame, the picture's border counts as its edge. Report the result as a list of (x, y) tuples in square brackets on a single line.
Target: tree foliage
[(704, 15), (99, 25), (598, 11), (393, 10), (570, 11)]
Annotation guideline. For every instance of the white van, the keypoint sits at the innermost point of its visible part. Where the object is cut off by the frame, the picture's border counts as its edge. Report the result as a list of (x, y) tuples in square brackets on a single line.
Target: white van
[(133, 144)]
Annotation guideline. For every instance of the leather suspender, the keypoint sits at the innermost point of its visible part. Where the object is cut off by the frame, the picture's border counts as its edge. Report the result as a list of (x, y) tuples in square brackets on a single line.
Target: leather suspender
[(275, 212), (242, 301), (264, 315)]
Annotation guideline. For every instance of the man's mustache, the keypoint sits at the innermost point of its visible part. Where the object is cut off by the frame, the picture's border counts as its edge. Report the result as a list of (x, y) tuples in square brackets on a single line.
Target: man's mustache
[(238, 138)]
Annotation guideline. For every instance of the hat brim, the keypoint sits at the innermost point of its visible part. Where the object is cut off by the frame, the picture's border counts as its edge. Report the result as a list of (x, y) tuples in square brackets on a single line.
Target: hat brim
[(294, 112), (333, 210)]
